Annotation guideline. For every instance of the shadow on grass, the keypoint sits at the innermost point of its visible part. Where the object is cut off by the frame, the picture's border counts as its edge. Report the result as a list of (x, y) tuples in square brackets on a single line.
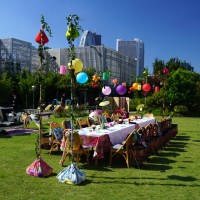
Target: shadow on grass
[(182, 137), (5, 136), (155, 167), (196, 140), (182, 178), (133, 180)]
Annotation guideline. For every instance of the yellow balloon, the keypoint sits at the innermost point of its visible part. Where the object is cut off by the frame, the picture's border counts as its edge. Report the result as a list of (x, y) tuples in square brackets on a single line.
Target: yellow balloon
[(77, 65)]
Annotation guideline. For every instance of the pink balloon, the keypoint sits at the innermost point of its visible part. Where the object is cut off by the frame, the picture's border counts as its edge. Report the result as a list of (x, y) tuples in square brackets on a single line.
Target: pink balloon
[(106, 90), (121, 89), (63, 69)]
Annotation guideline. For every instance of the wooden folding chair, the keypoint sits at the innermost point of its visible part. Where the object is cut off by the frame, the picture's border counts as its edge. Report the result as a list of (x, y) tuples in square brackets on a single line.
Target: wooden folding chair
[(66, 124), (82, 123), (139, 147), (75, 149), (55, 143), (123, 149)]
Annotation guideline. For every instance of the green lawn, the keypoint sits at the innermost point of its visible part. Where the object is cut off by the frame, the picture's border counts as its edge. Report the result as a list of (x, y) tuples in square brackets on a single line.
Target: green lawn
[(172, 174)]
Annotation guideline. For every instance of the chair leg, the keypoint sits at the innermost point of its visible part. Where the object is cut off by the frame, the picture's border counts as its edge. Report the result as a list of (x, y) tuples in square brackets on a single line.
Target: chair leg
[(135, 159), (110, 158)]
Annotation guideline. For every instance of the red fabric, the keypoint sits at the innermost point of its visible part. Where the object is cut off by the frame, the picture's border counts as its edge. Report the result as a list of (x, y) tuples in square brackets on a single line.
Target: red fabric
[(41, 38)]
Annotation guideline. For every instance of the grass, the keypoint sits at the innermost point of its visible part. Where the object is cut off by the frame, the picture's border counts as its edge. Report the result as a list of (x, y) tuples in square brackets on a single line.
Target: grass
[(172, 174)]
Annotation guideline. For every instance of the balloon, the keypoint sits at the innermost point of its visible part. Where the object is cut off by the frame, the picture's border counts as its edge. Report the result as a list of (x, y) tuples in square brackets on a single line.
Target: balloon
[(156, 89), (63, 69), (146, 87), (106, 90), (82, 77), (77, 65), (165, 71), (121, 89), (135, 86)]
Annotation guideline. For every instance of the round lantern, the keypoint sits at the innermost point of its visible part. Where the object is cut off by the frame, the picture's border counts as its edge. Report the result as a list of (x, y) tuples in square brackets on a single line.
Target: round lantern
[(114, 81), (165, 71), (121, 89), (135, 86), (146, 87), (105, 76), (156, 89), (77, 65), (63, 69), (145, 72), (106, 90), (139, 87), (82, 77)]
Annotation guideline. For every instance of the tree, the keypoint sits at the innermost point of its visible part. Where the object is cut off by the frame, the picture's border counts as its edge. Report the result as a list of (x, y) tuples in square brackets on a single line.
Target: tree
[(158, 66), (175, 64), (182, 88), (6, 88)]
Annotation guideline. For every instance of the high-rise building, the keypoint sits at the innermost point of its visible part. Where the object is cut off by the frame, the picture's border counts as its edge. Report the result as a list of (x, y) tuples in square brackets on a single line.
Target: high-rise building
[(88, 38), (101, 59), (18, 54), (134, 49)]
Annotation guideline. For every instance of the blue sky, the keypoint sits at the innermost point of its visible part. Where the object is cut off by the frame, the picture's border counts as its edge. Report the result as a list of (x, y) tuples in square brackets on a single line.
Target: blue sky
[(168, 28)]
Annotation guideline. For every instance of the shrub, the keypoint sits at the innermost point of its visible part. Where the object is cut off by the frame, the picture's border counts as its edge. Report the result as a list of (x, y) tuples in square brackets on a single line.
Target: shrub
[(180, 109)]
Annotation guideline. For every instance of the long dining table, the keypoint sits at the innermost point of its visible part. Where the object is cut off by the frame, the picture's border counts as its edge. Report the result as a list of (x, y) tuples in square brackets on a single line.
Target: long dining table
[(103, 139)]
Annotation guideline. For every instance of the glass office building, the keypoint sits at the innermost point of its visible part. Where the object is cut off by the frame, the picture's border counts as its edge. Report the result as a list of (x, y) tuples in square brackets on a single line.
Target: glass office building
[(101, 59), (18, 54), (88, 38), (134, 49)]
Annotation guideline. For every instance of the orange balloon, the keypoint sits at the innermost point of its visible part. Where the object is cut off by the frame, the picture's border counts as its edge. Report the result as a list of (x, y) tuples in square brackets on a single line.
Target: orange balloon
[(135, 86)]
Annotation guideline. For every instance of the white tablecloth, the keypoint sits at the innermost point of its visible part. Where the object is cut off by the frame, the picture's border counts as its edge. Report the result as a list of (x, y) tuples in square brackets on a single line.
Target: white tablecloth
[(118, 133)]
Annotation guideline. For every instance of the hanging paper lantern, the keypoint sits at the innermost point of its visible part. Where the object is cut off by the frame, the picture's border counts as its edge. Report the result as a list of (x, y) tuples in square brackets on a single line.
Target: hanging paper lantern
[(96, 78), (41, 38), (77, 65), (124, 84), (165, 71), (156, 89), (146, 87), (106, 90), (72, 33), (105, 76), (82, 77), (135, 86), (114, 81), (63, 69), (145, 72), (139, 87), (121, 89)]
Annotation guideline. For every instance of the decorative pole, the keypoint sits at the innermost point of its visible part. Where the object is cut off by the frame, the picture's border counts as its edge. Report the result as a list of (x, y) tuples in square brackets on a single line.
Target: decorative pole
[(39, 167), (72, 174)]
